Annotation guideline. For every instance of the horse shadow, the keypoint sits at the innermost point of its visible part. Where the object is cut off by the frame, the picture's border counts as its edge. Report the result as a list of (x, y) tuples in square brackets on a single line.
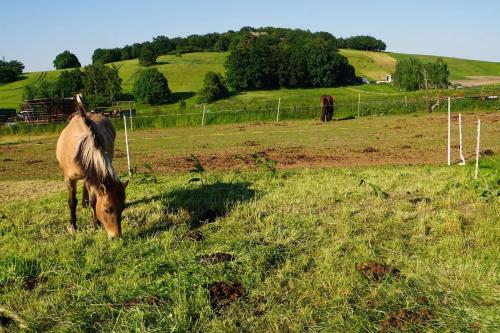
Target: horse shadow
[(204, 204)]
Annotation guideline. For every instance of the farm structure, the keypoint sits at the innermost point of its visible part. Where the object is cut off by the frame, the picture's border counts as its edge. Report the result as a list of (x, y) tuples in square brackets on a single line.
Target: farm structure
[(47, 110), (51, 110), (387, 79)]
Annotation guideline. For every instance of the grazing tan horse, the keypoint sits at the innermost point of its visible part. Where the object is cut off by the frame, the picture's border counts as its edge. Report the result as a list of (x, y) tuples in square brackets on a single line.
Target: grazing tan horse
[(85, 151), (327, 107)]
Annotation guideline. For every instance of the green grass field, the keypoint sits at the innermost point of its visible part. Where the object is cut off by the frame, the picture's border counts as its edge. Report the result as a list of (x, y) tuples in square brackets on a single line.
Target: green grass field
[(294, 241), (185, 76)]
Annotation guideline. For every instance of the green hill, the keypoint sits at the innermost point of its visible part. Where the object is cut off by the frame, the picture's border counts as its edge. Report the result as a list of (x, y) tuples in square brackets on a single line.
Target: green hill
[(185, 77)]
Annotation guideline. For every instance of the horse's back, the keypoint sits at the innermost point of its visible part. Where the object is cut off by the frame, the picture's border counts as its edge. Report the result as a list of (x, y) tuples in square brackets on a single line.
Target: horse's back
[(71, 137)]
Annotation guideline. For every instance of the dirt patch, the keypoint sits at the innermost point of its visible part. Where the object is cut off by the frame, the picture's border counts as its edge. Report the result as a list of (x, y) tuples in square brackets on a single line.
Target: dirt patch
[(474, 81), (488, 152), (194, 235), (370, 150), (376, 271), (30, 162), (404, 318), (223, 294), (148, 300), (7, 160), (32, 282), (418, 136), (216, 258), (250, 143), (416, 201)]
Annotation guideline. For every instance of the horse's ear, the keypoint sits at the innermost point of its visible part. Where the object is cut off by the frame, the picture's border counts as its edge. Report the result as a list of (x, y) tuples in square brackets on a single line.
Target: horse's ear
[(125, 183), (102, 190)]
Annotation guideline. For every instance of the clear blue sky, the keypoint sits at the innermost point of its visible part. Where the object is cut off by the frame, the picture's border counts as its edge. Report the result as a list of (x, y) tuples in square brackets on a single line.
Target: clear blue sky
[(34, 32)]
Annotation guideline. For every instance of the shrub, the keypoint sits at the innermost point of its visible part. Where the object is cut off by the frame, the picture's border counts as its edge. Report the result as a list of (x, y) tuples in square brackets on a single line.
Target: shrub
[(214, 88), (151, 86), (42, 89), (147, 57), (65, 60)]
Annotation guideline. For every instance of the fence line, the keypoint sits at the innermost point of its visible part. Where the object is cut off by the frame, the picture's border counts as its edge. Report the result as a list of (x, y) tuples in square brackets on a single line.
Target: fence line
[(301, 111)]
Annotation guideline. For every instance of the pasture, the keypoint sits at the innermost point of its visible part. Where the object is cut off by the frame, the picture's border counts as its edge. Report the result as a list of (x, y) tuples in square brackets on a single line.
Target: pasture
[(358, 227)]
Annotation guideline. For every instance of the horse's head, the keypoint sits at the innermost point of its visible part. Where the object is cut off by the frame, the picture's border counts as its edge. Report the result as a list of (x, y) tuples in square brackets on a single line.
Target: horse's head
[(109, 205)]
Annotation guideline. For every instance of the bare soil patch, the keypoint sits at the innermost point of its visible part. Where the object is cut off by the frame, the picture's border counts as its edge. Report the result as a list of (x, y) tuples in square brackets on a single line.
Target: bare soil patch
[(376, 271), (194, 235), (474, 81), (223, 294), (405, 318), (216, 258)]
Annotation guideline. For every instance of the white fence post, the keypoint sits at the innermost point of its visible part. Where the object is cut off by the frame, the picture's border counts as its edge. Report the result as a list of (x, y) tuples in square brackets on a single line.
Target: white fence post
[(278, 113), (406, 103), (359, 103), (449, 130), (462, 159), (126, 144), (203, 116), (477, 147)]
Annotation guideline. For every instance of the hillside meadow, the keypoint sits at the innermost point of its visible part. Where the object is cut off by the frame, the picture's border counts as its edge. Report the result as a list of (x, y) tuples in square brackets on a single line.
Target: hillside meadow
[(185, 76)]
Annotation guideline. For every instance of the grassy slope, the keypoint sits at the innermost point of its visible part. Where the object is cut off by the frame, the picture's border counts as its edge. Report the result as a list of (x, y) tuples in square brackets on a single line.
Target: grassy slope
[(11, 94), (372, 65), (296, 239), (185, 76)]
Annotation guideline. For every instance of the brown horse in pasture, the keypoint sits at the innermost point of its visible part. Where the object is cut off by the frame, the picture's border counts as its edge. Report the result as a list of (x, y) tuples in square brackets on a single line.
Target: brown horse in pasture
[(85, 151), (327, 107)]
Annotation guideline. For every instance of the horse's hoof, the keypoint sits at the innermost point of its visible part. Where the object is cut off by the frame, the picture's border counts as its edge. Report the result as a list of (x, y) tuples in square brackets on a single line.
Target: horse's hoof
[(71, 230)]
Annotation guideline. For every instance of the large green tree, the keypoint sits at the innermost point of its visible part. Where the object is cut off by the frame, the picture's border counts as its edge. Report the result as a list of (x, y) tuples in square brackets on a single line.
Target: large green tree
[(147, 57), (151, 86), (101, 84), (69, 83), (66, 60), (409, 74), (438, 74), (10, 71)]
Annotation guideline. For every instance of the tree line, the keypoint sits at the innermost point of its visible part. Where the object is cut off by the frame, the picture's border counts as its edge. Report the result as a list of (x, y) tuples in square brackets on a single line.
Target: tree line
[(219, 42)]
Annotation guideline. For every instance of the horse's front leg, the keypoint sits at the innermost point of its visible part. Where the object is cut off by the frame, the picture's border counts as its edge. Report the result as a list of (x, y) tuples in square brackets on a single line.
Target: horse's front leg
[(85, 195), (93, 200), (72, 202)]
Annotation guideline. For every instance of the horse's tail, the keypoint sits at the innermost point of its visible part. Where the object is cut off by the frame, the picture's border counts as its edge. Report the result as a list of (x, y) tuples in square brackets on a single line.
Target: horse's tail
[(81, 106)]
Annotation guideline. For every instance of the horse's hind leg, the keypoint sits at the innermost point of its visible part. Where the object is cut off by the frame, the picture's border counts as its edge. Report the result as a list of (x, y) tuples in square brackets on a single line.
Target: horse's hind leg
[(72, 202), (85, 195)]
